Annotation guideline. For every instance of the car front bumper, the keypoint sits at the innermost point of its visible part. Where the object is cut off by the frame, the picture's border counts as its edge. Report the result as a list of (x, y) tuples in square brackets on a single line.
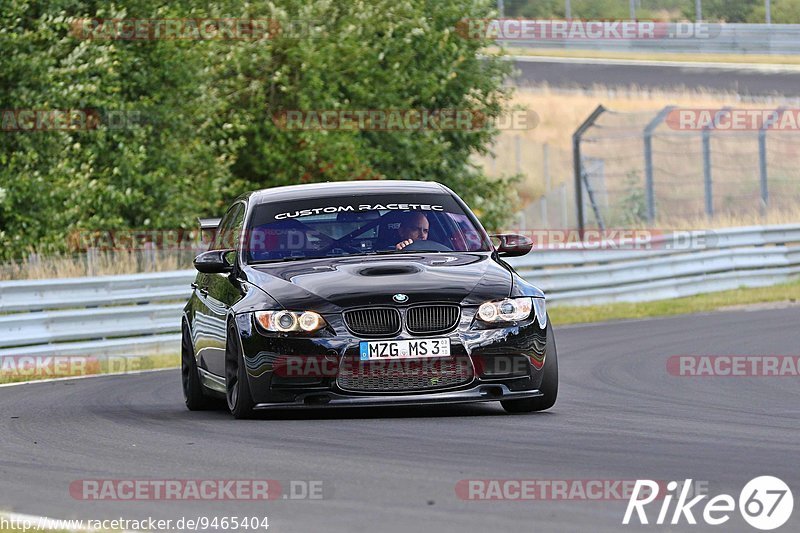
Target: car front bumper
[(505, 364)]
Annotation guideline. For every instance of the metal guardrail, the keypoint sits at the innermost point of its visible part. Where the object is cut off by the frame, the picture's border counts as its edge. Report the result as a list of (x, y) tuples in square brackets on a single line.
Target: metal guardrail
[(91, 315), (710, 38), (35, 295), (586, 274)]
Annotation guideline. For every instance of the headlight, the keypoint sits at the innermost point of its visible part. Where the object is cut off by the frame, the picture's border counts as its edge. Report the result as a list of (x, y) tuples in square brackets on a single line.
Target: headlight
[(289, 321), (508, 310), (513, 310)]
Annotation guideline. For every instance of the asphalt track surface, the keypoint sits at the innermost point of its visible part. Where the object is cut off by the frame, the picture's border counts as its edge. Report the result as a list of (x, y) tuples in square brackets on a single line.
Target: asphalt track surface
[(620, 415), (740, 81)]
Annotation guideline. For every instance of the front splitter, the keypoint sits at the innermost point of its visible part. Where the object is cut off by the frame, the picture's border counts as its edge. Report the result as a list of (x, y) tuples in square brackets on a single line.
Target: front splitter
[(481, 393)]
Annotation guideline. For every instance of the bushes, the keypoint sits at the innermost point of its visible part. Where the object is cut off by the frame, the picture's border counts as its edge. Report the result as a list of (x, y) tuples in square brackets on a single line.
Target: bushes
[(199, 126)]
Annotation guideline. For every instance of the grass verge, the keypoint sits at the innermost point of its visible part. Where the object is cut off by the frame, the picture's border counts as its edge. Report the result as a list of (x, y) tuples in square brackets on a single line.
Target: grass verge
[(789, 292), (35, 368)]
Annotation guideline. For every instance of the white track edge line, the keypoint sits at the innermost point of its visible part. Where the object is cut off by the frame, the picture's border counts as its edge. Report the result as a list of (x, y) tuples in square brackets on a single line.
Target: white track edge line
[(70, 378)]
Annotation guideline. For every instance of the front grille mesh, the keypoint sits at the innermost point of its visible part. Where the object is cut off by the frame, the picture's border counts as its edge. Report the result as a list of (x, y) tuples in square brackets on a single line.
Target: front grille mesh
[(404, 375), (376, 321), (432, 318)]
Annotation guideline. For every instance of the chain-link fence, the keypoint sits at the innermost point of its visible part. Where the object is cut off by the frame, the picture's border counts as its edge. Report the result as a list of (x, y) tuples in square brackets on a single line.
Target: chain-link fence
[(687, 164), (675, 167)]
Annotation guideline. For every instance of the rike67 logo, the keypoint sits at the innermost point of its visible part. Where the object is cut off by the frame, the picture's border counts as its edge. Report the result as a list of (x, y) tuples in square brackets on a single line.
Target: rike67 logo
[(766, 503)]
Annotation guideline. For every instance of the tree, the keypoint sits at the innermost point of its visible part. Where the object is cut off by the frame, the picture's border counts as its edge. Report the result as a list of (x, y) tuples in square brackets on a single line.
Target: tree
[(159, 161), (200, 129), (376, 55)]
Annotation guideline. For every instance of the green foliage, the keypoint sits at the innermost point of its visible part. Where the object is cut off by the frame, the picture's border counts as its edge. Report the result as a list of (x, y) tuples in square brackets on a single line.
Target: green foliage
[(783, 12), (726, 10), (633, 206), (152, 174), (542, 9), (200, 128)]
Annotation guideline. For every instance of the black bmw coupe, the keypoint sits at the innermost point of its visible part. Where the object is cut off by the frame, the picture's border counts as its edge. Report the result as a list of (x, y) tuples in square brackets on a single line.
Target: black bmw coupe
[(368, 293)]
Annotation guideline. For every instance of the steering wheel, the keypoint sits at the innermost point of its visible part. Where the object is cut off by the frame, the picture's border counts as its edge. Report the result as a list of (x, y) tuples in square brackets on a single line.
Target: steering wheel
[(427, 246)]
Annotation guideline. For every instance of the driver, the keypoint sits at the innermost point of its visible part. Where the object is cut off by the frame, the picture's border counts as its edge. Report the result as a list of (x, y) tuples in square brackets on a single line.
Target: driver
[(413, 227)]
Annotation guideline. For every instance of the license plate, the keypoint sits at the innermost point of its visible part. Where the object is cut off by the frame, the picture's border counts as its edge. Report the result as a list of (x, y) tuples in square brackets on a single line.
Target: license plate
[(406, 349)]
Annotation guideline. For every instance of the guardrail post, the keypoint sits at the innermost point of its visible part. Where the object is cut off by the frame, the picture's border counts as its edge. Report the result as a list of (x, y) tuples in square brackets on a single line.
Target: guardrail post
[(648, 162), (578, 164)]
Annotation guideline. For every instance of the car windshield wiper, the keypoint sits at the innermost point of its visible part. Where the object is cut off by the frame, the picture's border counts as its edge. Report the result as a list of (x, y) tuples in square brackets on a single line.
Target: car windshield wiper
[(381, 252), (290, 258), (391, 252)]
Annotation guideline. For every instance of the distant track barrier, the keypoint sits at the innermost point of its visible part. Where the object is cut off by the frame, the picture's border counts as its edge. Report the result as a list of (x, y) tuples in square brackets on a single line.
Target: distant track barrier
[(140, 314)]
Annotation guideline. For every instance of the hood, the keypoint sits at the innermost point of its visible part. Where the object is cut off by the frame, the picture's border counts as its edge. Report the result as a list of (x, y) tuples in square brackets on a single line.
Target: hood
[(332, 284)]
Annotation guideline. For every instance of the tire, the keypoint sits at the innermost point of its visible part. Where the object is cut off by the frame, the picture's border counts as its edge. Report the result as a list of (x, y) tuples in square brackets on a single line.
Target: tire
[(193, 394), (549, 385), (237, 386)]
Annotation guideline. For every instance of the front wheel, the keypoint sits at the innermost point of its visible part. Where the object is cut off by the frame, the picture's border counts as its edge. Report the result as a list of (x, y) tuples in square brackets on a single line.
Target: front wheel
[(549, 387), (193, 394), (237, 386)]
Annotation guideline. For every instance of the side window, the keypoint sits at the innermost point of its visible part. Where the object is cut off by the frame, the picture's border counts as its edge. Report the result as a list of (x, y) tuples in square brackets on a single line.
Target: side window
[(230, 229)]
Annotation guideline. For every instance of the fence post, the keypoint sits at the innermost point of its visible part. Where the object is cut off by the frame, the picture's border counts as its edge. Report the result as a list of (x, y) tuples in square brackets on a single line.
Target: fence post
[(709, 193), (648, 162), (762, 162), (546, 165), (707, 170), (543, 209), (762, 168), (91, 261), (149, 256), (578, 164)]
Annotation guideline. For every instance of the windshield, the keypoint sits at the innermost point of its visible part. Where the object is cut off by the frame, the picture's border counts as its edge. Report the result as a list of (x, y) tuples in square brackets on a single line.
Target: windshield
[(368, 224)]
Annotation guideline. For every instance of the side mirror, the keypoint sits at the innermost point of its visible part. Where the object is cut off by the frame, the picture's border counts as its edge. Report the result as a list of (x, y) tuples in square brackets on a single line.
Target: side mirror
[(511, 244), (214, 262)]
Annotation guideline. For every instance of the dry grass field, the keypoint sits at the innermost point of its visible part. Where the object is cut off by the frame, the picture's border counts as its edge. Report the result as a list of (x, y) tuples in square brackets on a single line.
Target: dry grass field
[(679, 164)]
